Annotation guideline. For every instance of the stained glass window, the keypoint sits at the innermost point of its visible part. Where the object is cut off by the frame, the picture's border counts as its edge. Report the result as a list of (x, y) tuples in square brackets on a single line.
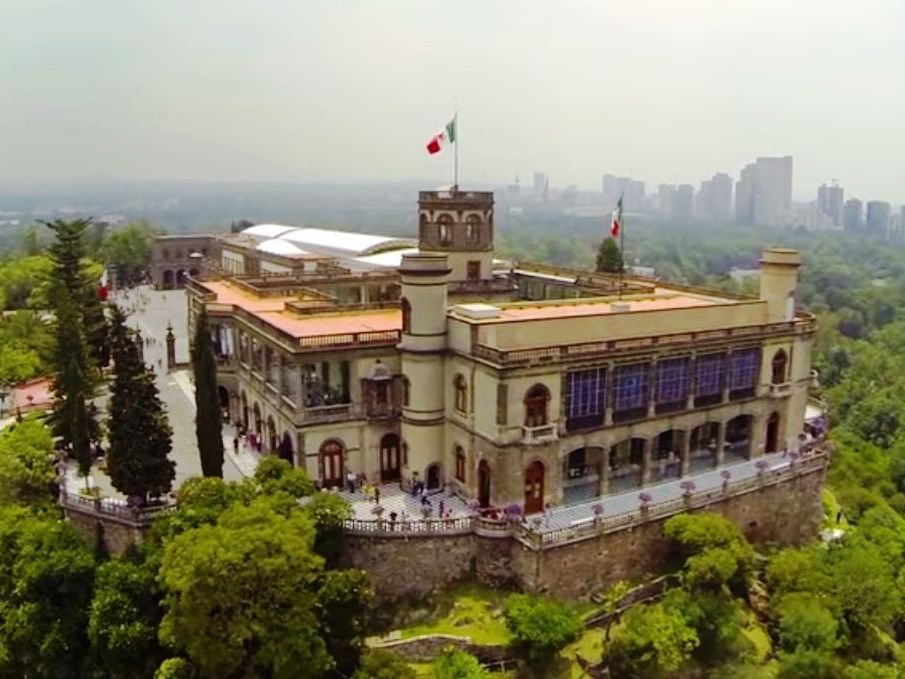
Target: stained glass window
[(585, 392), (709, 374), (672, 380), (743, 367), (632, 387)]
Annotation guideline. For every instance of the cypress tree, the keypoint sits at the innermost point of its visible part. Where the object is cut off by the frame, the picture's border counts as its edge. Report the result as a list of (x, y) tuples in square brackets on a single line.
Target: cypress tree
[(609, 258), (208, 425), (68, 253), (139, 433), (75, 374)]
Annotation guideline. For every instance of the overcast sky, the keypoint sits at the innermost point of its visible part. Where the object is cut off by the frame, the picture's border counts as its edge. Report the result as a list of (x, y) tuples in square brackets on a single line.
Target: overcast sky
[(342, 90)]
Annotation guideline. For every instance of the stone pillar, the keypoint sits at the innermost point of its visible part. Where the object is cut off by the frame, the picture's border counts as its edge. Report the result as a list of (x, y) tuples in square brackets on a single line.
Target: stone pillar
[(603, 483), (171, 348), (720, 443), (652, 391), (608, 416), (685, 452), (645, 461), (758, 437)]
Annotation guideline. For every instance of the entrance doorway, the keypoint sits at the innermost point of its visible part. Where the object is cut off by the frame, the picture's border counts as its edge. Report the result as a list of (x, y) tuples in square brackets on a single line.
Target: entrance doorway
[(285, 448), (389, 458), (534, 488), (484, 484), (331, 454), (433, 477), (224, 403), (773, 433)]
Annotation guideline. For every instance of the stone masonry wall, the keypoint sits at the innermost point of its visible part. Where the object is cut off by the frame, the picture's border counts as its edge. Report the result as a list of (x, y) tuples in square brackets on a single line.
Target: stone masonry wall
[(784, 513), (412, 567)]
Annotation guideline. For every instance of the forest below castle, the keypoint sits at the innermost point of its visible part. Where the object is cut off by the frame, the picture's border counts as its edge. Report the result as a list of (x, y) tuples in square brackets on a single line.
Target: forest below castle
[(822, 611)]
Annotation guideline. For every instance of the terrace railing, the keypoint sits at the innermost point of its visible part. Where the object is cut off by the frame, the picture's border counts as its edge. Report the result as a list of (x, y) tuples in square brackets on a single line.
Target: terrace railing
[(114, 508)]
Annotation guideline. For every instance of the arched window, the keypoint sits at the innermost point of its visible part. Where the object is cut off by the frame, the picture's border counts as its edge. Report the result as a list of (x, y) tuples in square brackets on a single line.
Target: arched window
[(536, 401), (779, 367), (472, 229), (406, 315), (444, 229), (406, 391), (460, 464), (461, 388)]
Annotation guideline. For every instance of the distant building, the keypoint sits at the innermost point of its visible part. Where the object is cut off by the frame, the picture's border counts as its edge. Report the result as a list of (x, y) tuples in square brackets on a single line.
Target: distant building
[(540, 183), (683, 203), (665, 194), (714, 199), (632, 191), (764, 191), (852, 214), (830, 200), (878, 217)]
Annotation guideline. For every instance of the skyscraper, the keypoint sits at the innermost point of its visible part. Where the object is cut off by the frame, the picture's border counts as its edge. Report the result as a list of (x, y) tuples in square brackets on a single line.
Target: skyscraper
[(683, 203), (852, 214), (714, 200), (829, 201), (540, 184), (763, 193), (878, 217)]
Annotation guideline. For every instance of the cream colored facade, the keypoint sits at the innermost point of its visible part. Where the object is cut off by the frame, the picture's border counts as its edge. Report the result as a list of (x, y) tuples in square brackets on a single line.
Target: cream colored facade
[(455, 381)]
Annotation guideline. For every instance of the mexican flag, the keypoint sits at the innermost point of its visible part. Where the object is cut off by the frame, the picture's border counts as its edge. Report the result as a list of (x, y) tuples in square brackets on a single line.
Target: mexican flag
[(616, 225), (446, 136)]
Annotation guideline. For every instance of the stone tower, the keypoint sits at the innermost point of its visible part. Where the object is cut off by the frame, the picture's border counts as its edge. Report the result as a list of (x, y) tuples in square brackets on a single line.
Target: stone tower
[(460, 225), (423, 344), (779, 277)]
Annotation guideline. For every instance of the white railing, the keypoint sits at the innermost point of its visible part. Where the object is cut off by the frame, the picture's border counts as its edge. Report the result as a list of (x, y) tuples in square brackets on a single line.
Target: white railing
[(542, 434)]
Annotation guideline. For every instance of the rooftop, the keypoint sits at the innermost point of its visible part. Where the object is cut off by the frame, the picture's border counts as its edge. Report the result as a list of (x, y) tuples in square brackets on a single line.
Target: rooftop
[(541, 311), (323, 242), (275, 312)]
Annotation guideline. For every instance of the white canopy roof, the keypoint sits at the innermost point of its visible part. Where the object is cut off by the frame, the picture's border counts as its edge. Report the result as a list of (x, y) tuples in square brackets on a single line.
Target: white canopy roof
[(329, 242), (275, 246)]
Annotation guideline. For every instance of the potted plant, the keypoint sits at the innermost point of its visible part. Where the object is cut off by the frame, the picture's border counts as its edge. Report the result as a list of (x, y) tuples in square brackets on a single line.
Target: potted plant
[(645, 500), (597, 508), (688, 489), (726, 474), (762, 467), (513, 512)]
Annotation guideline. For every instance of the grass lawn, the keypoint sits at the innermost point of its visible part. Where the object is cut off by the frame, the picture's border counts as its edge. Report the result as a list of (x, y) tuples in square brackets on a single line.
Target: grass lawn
[(470, 611)]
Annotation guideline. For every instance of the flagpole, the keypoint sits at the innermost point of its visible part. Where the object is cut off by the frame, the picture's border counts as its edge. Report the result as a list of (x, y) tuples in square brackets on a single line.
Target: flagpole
[(456, 156), (621, 244)]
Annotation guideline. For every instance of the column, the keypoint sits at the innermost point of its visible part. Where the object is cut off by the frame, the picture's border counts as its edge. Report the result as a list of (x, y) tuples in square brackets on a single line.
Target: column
[(652, 390), (603, 481), (645, 461), (720, 443), (758, 436), (692, 382), (724, 397), (685, 452)]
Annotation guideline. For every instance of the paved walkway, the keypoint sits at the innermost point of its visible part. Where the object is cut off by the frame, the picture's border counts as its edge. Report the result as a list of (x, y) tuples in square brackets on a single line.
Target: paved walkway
[(406, 505)]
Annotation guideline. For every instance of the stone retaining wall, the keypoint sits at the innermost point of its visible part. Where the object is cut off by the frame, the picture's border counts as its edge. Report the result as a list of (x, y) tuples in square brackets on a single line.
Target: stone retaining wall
[(787, 512)]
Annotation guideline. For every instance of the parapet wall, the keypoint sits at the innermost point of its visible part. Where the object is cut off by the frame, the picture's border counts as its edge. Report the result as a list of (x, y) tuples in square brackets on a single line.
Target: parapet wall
[(783, 510)]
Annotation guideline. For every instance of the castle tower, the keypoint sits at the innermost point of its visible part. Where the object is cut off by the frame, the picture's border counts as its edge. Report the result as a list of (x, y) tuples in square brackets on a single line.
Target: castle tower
[(422, 347), (460, 225), (779, 277)]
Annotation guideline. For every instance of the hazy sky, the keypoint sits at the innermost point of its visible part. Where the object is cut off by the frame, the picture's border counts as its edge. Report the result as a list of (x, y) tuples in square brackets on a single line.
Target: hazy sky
[(290, 90)]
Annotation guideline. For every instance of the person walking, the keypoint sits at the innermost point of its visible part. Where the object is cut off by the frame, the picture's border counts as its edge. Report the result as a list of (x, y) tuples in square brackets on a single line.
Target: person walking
[(376, 494), (235, 445)]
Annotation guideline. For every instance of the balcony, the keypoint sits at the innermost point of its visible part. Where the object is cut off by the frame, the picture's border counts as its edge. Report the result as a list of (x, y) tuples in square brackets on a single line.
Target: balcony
[(782, 390), (331, 413), (538, 435)]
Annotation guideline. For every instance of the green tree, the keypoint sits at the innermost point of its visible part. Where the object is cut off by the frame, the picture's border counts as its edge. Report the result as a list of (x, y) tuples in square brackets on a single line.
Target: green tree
[(714, 548), (238, 595), (139, 433), (653, 641), (208, 424), (541, 626), (609, 257), (123, 618), (46, 575), (27, 476), (378, 664), (176, 668), (870, 669), (129, 251), (806, 624), (75, 373), (275, 475), (329, 512), (808, 665), (342, 608), (455, 664)]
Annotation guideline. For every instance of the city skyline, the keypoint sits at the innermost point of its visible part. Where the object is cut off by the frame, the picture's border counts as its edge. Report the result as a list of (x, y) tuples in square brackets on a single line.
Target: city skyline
[(110, 93)]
